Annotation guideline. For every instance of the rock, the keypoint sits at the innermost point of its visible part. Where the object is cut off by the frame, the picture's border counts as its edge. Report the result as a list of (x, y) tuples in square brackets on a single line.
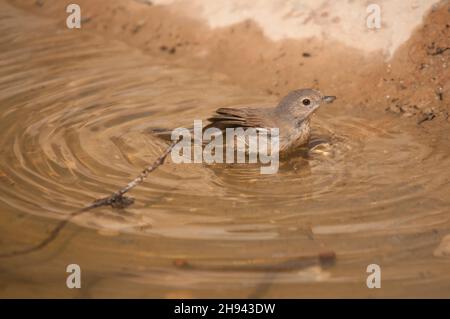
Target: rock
[(443, 250)]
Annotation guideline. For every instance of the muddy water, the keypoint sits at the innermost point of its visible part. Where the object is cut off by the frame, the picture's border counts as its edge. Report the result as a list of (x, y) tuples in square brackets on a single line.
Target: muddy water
[(75, 114)]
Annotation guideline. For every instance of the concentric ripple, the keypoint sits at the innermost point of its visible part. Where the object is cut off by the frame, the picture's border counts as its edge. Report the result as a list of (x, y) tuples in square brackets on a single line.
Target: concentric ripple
[(75, 114)]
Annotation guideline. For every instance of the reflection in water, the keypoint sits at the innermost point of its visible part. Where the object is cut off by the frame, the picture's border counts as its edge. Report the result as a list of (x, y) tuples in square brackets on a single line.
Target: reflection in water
[(74, 119)]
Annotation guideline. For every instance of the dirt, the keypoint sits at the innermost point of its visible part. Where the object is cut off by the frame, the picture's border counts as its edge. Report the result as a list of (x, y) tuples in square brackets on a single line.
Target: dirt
[(418, 79), (415, 83)]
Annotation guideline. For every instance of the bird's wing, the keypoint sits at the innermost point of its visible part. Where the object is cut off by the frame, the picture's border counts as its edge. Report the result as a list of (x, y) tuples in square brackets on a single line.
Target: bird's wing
[(246, 117), (223, 118)]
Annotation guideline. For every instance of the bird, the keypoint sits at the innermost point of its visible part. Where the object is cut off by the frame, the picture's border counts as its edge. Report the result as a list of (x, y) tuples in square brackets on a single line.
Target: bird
[(292, 116)]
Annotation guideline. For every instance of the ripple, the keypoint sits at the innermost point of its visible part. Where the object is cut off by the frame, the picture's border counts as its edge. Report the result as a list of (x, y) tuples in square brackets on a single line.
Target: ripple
[(77, 130), (74, 127)]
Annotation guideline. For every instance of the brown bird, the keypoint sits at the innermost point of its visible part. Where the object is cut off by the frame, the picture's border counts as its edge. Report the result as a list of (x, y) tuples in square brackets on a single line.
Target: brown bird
[(292, 116)]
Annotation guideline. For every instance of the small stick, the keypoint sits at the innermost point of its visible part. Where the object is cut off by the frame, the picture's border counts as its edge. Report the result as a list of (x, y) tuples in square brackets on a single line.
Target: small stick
[(116, 200), (54, 233), (427, 117)]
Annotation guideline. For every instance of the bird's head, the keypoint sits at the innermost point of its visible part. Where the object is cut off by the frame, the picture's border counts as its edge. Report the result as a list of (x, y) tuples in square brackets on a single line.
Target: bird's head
[(301, 104)]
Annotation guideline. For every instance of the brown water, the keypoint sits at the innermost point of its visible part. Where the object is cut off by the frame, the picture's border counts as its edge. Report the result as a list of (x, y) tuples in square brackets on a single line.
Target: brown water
[(75, 109)]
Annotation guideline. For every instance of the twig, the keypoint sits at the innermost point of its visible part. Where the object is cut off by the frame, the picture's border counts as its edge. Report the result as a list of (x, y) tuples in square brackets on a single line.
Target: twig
[(49, 238), (440, 51), (427, 117), (116, 200)]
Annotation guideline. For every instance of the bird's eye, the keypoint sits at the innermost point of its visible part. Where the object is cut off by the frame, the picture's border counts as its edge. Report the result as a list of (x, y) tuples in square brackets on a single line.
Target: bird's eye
[(306, 102)]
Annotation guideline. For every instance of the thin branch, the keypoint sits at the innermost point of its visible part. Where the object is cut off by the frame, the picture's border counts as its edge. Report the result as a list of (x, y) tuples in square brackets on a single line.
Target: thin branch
[(116, 200), (54, 233)]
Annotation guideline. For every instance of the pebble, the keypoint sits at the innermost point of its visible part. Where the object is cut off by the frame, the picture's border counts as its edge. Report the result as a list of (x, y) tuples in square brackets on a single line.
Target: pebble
[(443, 250)]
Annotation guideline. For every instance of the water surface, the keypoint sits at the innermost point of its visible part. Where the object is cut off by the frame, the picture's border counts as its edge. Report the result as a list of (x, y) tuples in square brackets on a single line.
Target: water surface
[(75, 114)]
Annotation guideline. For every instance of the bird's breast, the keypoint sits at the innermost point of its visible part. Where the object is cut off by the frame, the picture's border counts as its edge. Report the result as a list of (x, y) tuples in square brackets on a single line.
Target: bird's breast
[(295, 137)]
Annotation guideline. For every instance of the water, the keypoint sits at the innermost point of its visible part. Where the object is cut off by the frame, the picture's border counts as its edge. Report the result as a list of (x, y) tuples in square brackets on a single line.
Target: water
[(75, 114)]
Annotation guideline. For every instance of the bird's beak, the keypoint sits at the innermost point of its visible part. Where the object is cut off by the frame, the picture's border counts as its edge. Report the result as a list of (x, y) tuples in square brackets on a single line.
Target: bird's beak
[(328, 98)]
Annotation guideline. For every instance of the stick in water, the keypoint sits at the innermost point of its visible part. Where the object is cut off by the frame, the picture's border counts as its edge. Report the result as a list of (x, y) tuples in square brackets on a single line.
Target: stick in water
[(116, 200)]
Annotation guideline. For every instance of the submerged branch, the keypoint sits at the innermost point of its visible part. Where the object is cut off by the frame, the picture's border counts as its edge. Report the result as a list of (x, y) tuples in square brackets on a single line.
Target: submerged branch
[(116, 200)]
